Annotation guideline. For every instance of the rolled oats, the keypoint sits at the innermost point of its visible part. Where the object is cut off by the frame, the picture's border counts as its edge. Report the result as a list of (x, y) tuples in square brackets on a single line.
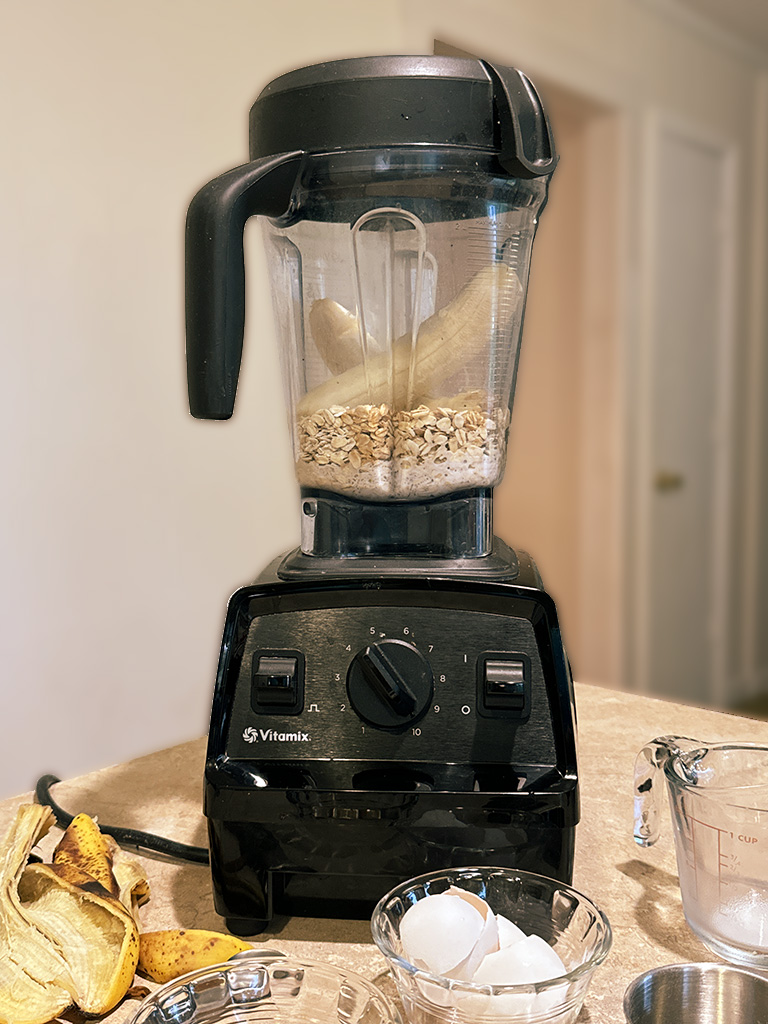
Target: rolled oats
[(371, 451)]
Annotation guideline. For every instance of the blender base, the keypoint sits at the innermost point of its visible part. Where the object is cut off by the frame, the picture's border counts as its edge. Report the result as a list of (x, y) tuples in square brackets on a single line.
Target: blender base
[(354, 896), (318, 805)]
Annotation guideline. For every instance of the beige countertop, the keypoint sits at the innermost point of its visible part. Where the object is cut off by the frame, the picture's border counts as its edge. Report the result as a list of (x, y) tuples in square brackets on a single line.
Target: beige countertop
[(637, 889)]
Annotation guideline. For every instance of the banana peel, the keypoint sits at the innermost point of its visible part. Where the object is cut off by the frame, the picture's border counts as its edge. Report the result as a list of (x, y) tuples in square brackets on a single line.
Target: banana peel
[(96, 934), (66, 938), (131, 881), (35, 984), (165, 955), (84, 847)]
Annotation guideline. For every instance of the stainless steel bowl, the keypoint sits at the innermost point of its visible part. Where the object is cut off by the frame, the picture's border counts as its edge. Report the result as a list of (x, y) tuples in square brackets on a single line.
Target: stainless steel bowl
[(697, 994)]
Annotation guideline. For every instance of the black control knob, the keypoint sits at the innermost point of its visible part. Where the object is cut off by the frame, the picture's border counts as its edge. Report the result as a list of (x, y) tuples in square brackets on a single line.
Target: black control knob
[(389, 684)]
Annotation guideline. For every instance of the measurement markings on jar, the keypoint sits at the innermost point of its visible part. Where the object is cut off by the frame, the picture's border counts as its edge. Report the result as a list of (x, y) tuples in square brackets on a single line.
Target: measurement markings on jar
[(727, 860)]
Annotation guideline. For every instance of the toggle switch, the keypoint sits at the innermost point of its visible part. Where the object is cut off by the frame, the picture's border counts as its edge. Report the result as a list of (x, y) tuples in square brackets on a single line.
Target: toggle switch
[(277, 682), (504, 685)]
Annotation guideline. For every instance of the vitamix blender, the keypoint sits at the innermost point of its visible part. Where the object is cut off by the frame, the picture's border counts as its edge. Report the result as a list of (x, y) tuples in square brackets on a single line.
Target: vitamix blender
[(392, 696)]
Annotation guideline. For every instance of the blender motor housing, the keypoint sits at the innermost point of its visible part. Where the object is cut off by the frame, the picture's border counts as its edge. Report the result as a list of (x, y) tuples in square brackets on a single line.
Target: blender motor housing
[(321, 797)]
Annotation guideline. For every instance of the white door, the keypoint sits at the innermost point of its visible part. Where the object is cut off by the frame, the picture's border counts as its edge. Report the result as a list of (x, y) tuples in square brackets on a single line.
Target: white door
[(682, 481)]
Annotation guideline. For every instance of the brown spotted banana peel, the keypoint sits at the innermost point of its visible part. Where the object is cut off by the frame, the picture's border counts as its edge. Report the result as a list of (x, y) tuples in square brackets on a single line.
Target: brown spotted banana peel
[(446, 341), (75, 943), (85, 847), (165, 955)]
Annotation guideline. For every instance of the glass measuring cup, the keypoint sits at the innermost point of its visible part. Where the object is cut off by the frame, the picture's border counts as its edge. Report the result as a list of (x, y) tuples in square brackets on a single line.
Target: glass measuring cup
[(718, 796)]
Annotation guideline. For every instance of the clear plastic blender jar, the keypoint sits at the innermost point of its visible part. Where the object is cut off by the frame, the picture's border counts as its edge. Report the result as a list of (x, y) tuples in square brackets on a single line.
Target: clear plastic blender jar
[(399, 302)]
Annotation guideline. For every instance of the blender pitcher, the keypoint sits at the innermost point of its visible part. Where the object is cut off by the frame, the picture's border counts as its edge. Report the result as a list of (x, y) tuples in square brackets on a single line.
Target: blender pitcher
[(718, 796), (399, 198)]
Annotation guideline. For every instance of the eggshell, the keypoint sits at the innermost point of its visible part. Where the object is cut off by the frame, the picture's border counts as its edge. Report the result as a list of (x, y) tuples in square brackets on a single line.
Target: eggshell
[(503, 968), (512, 1004), (487, 942), (435, 994), (526, 962), (540, 958), (509, 933), (440, 931), (472, 898), (546, 1001)]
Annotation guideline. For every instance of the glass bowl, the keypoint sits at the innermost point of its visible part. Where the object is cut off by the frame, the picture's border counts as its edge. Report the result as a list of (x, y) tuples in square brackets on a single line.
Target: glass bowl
[(571, 923), (268, 988)]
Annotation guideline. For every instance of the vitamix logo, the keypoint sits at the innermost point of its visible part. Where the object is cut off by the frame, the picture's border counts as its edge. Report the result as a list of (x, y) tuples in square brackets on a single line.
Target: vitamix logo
[(251, 735)]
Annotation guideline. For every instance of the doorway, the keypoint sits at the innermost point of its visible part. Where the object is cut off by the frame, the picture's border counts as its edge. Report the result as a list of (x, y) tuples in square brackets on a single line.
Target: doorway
[(684, 447)]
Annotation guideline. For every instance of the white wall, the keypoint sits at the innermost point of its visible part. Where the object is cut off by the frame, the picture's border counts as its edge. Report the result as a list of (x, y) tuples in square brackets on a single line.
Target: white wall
[(126, 524)]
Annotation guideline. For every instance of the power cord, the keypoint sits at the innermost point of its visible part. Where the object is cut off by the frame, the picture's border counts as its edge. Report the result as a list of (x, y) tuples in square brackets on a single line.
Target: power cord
[(122, 836)]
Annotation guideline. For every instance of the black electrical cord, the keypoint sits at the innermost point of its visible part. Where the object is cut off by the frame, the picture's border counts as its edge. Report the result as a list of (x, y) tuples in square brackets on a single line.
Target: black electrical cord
[(123, 836)]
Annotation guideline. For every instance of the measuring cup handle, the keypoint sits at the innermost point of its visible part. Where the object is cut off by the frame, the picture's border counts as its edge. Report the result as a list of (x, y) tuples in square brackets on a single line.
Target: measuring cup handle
[(649, 784)]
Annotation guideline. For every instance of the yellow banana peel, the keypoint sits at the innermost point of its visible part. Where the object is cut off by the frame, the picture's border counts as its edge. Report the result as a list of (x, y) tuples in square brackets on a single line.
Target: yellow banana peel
[(165, 955), (132, 882), (66, 939), (35, 984), (97, 936)]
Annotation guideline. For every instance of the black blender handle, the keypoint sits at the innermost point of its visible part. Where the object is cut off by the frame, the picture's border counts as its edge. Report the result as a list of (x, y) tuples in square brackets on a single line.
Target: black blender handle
[(215, 274)]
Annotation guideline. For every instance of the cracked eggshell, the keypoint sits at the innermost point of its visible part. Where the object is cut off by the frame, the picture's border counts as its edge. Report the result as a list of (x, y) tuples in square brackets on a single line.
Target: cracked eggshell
[(439, 932), (527, 962), (539, 957), (510, 1004), (437, 995), (509, 933), (487, 941)]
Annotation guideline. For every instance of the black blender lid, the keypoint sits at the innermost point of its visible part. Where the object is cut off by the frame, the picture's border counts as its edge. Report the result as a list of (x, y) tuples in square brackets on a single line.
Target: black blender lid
[(375, 102)]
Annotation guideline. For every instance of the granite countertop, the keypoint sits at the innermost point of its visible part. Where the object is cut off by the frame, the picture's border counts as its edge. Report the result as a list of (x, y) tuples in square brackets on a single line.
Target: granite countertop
[(637, 889)]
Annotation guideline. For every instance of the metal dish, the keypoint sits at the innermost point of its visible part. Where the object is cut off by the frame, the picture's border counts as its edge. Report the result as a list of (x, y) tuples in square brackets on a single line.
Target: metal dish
[(697, 994)]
